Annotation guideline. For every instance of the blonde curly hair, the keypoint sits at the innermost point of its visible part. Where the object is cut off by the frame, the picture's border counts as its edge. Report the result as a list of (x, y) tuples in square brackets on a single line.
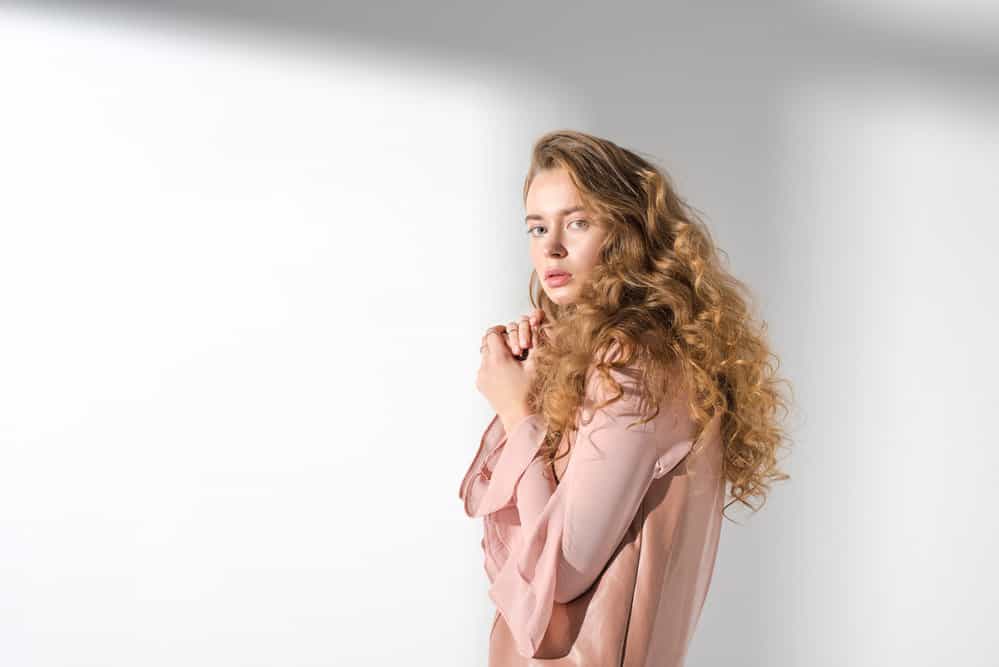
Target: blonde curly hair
[(661, 298)]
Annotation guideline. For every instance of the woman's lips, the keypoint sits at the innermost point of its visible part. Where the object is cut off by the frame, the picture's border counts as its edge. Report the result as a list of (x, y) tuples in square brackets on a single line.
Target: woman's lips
[(558, 279)]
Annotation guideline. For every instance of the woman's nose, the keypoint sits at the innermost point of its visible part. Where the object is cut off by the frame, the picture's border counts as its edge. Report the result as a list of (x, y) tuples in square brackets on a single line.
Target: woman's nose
[(554, 249)]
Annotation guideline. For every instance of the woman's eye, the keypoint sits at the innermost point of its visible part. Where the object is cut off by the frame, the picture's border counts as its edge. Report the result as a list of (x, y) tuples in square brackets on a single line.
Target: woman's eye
[(583, 225)]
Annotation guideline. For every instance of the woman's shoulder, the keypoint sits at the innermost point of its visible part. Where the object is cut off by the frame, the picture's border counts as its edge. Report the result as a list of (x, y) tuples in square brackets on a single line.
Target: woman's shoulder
[(632, 369), (642, 396)]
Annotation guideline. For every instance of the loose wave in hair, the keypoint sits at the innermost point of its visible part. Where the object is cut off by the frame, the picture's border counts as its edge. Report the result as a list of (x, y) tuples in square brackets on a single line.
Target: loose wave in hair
[(661, 298)]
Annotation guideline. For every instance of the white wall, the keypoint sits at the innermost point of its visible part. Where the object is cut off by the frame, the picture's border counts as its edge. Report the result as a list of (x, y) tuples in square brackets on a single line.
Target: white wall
[(242, 285), (890, 245), (247, 252)]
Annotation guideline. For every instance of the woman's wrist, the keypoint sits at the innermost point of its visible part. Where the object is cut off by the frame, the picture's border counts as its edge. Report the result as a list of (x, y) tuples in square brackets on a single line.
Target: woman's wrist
[(513, 416)]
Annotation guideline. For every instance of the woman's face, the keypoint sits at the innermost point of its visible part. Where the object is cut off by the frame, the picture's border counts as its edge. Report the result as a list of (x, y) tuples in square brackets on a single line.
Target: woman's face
[(563, 235)]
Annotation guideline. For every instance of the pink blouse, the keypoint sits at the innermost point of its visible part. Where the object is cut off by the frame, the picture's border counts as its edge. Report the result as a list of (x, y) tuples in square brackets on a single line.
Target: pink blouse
[(613, 561)]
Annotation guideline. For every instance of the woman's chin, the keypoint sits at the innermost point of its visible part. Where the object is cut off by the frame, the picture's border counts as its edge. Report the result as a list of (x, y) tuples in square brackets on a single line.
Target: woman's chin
[(560, 298)]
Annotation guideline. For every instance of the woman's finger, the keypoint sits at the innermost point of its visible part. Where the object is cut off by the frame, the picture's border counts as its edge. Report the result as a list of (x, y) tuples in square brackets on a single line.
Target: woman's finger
[(501, 330), (513, 334), (496, 329), (537, 318), (525, 331)]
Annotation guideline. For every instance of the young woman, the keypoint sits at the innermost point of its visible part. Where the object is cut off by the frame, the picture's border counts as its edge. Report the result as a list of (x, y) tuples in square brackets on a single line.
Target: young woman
[(626, 403)]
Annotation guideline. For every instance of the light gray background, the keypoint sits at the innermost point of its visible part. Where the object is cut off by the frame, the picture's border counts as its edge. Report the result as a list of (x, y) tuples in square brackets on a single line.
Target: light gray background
[(247, 251)]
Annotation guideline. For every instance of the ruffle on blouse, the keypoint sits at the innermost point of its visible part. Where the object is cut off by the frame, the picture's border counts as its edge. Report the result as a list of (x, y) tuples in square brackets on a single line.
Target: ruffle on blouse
[(490, 483), (489, 491), (524, 588), (488, 488)]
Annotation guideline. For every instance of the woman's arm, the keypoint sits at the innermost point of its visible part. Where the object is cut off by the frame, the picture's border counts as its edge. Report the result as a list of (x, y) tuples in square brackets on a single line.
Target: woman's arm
[(568, 532)]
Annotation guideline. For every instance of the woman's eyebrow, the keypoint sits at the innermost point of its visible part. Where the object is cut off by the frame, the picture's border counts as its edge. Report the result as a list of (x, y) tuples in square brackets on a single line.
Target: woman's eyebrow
[(563, 212)]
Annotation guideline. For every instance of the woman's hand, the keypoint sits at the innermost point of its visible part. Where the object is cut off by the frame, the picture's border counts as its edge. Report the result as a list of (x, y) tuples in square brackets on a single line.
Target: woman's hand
[(503, 379), (521, 335)]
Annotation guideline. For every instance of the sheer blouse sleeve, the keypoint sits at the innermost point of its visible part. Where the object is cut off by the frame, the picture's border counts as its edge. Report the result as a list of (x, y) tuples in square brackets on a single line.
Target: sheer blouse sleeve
[(567, 532)]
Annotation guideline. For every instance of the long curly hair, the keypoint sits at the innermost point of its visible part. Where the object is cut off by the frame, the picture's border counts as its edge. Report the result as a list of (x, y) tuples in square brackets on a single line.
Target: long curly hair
[(659, 296)]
